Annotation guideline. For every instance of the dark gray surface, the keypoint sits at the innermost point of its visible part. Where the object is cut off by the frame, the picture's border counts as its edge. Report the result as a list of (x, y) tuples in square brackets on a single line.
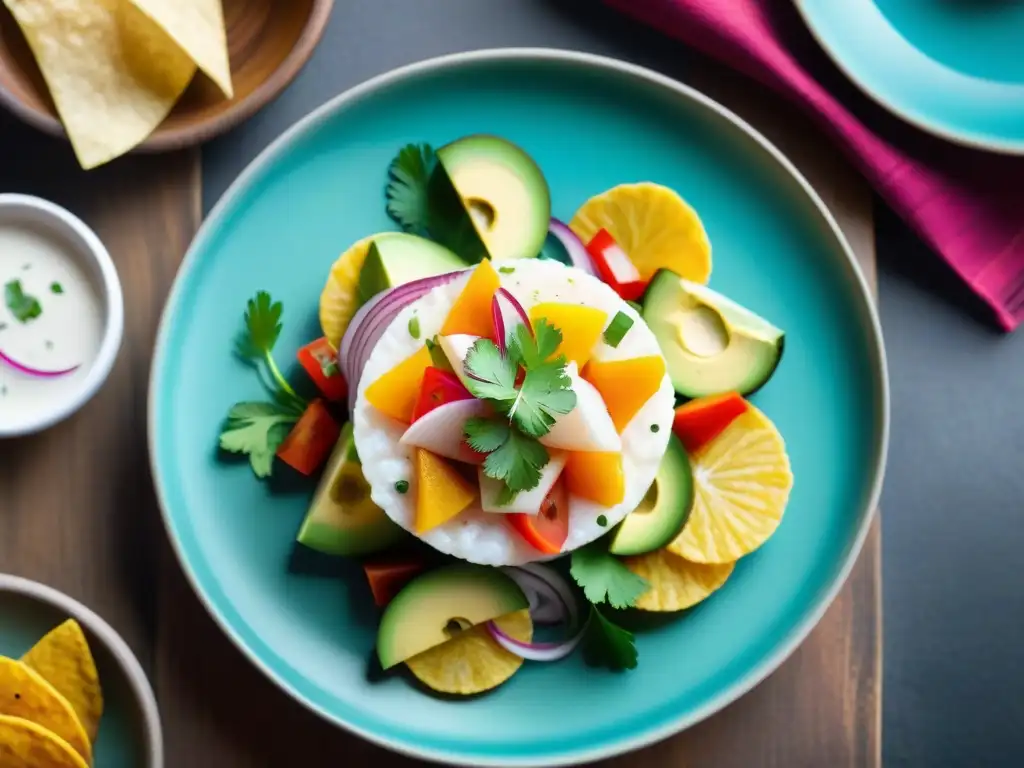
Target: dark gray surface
[(953, 526)]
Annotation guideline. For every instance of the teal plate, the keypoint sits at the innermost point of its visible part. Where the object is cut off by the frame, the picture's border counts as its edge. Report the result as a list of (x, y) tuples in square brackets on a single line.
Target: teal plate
[(129, 735), (954, 68), (590, 123)]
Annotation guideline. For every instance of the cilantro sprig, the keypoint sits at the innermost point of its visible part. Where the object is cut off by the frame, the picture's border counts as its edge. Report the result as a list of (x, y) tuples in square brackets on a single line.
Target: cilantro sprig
[(257, 429), (605, 580), (527, 388)]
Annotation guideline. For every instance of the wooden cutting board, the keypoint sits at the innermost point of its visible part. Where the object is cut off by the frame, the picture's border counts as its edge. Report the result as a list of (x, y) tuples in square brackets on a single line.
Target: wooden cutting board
[(92, 528)]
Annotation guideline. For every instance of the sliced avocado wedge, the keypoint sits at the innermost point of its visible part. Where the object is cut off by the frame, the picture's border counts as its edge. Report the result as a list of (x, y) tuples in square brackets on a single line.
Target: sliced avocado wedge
[(397, 258), (342, 520), (438, 605), (503, 191), (711, 344), (663, 511)]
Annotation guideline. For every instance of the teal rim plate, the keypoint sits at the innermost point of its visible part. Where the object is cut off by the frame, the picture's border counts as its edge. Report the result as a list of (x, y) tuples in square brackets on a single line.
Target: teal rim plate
[(954, 68), (590, 123), (129, 734)]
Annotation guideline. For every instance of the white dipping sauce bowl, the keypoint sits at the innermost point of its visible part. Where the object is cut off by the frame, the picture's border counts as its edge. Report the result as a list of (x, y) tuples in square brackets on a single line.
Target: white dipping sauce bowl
[(92, 257)]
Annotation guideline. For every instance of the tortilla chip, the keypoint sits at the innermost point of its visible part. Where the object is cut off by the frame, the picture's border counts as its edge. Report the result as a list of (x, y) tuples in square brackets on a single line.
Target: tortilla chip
[(64, 660), (24, 694), (23, 744), (114, 75), (198, 27)]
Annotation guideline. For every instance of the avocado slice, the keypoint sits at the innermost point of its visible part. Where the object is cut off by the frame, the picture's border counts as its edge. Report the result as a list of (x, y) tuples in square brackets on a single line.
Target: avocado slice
[(711, 344), (397, 258), (503, 191), (663, 511), (342, 520), (436, 606)]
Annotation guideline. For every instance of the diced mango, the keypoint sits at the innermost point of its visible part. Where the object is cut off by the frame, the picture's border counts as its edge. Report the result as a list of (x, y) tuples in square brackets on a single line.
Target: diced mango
[(625, 385), (581, 327), (597, 476), (441, 492), (471, 312), (394, 394)]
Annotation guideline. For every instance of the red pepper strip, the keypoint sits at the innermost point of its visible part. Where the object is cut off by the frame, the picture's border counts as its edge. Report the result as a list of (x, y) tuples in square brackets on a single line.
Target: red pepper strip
[(388, 576), (311, 440), (614, 267), (439, 388), (700, 421), (320, 361), (548, 529)]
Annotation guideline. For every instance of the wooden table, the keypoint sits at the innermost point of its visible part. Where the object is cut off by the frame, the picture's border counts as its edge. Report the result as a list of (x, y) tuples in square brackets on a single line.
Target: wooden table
[(77, 509)]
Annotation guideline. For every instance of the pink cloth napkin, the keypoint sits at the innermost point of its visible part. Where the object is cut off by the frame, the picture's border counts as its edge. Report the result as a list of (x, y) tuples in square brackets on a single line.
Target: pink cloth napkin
[(966, 204)]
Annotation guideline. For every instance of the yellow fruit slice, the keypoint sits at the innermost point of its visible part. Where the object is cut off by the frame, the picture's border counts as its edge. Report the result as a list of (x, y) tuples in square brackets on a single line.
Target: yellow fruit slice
[(581, 327), (339, 299), (626, 385), (741, 483), (472, 662), (441, 492), (653, 225), (597, 476), (394, 394), (471, 312), (64, 660), (676, 584)]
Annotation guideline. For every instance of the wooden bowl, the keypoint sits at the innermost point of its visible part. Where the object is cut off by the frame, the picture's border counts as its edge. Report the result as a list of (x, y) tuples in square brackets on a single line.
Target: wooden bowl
[(269, 41)]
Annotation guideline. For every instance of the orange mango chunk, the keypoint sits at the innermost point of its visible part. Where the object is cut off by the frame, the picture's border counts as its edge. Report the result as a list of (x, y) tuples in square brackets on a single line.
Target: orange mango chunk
[(441, 492), (625, 385), (581, 327), (471, 312), (395, 393), (597, 476)]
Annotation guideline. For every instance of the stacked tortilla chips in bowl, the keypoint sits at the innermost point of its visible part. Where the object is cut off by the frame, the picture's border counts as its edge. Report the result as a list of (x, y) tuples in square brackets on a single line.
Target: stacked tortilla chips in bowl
[(116, 68), (50, 703)]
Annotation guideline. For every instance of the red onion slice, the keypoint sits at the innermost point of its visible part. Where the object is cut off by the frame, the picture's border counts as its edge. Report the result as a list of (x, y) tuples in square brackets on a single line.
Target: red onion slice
[(559, 585), (37, 373), (372, 319), (573, 246), (546, 604), (499, 325), (514, 303), (535, 651)]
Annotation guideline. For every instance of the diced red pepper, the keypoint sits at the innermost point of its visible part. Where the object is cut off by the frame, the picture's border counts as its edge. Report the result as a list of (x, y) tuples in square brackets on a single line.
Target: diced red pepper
[(548, 529), (311, 440), (439, 388), (388, 576), (700, 421), (614, 266), (320, 361)]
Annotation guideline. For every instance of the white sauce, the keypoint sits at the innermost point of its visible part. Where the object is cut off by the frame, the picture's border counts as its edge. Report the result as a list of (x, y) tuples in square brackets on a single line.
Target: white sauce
[(67, 332)]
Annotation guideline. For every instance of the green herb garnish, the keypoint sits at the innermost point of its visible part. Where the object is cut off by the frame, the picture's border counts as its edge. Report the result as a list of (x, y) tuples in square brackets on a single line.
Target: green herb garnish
[(655, 428), (254, 428), (526, 404), (617, 329), (414, 327), (56, 288), (438, 359), (506, 270), (402, 486), (602, 520), (606, 580), (23, 306), (257, 429)]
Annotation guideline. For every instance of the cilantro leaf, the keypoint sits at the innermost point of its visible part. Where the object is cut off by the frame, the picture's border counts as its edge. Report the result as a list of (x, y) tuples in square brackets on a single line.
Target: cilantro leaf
[(608, 645), (545, 392), (407, 200), (533, 349), (257, 430), (605, 579), (256, 344), (23, 306), (491, 375), (518, 462), (485, 435)]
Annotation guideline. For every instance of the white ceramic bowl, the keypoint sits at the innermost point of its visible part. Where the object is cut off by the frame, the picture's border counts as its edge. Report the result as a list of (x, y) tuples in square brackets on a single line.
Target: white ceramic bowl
[(92, 257), (28, 606)]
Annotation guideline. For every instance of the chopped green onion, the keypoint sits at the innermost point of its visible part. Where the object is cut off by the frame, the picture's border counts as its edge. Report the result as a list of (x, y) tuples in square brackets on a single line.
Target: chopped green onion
[(506, 270), (655, 428), (402, 486), (23, 306), (438, 359), (414, 327), (602, 520), (618, 328), (56, 288)]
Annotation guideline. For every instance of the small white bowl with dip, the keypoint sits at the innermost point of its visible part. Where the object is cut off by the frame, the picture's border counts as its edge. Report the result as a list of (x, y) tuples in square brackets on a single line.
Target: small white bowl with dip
[(61, 314)]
